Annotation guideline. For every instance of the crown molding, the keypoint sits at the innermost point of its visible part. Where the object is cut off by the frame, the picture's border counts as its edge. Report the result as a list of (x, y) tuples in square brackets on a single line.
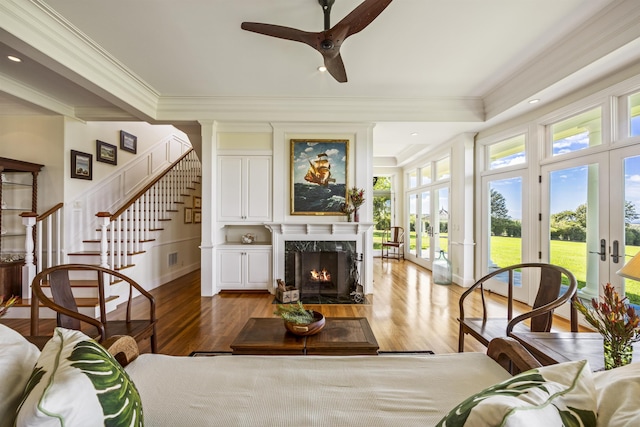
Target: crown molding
[(263, 109), (28, 94), (56, 43), (609, 30)]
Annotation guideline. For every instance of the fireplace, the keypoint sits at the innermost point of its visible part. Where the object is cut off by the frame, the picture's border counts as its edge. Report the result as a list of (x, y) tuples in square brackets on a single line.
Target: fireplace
[(324, 272), (323, 275)]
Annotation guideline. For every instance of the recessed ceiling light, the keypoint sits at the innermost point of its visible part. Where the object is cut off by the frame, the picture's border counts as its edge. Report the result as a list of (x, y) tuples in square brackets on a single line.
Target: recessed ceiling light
[(414, 133), (14, 58), (534, 101), (322, 68)]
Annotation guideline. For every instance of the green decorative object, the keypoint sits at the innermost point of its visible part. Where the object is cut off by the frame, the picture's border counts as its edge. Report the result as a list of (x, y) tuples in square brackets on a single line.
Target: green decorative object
[(616, 354)]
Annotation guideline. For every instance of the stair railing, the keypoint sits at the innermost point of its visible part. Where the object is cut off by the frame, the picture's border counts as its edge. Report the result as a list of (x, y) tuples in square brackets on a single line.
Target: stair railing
[(41, 230), (123, 232)]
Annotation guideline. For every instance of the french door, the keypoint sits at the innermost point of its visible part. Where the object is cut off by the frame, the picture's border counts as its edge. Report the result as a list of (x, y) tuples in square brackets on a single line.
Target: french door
[(588, 211), (429, 224)]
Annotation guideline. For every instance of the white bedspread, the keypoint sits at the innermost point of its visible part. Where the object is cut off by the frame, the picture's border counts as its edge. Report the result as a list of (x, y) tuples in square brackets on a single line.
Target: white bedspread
[(307, 391)]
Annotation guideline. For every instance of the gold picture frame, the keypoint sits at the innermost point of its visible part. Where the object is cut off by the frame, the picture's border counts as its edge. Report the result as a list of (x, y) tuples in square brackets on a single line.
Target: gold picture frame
[(188, 215), (319, 171)]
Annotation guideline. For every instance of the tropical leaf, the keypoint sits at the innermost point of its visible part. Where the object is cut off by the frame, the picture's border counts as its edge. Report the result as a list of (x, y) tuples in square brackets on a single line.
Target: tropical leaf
[(116, 392), (33, 381), (575, 417), (511, 387)]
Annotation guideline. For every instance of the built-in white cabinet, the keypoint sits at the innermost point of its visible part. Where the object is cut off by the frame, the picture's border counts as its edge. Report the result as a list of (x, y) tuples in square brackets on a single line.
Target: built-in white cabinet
[(244, 267), (244, 189)]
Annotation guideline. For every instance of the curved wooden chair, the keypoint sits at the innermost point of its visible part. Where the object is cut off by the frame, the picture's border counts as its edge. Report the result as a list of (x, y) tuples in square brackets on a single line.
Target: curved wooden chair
[(549, 297), (393, 239), (65, 304)]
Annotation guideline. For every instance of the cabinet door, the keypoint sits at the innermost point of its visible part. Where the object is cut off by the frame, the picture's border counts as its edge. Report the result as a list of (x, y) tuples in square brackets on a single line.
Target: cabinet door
[(230, 266), (258, 188), (258, 269), (230, 182)]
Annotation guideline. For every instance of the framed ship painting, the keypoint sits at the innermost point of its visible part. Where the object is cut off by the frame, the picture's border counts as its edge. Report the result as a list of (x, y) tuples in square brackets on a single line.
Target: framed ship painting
[(318, 176)]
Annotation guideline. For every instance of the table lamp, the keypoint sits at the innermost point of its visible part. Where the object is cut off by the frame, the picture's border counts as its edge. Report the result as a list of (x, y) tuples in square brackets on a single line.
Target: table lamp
[(631, 270)]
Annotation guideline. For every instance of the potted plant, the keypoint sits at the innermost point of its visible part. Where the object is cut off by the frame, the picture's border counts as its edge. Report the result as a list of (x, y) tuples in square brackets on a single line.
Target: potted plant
[(300, 321), (5, 305)]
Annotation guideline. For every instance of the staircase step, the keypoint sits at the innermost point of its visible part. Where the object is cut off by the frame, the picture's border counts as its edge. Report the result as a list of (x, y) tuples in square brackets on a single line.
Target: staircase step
[(97, 253), (81, 302), (121, 241)]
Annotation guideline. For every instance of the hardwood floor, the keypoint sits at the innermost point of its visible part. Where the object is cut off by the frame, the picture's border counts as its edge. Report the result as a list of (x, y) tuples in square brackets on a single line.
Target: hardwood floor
[(406, 312)]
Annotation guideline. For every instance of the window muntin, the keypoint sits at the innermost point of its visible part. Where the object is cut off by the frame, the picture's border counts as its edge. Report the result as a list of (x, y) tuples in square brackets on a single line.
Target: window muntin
[(506, 153), (577, 133), (443, 169)]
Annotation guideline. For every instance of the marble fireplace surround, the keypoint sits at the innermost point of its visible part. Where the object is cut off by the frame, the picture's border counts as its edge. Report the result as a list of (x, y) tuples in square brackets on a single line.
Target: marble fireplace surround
[(336, 231)]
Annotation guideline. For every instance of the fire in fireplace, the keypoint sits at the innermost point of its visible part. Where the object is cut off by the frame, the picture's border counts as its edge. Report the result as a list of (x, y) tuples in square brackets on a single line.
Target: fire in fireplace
[(319, 276)]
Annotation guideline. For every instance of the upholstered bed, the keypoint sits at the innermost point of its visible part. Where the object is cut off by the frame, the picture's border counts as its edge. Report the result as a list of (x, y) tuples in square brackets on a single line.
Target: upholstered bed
[(76, 382)]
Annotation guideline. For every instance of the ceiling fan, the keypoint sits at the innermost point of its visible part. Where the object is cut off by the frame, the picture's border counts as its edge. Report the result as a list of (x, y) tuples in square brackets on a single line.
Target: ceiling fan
[(327, 42)]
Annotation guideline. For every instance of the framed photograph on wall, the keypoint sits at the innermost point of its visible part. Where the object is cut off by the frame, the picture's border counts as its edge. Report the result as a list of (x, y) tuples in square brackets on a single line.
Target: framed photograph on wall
[(197, 202), (81, 165), (318, 176), (128, 142), (197, 217), (188, 215), (106, 153)]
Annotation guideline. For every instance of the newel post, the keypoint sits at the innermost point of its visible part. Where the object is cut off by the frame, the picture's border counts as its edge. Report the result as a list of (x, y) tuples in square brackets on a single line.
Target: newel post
[(104, 220), (29, 268)]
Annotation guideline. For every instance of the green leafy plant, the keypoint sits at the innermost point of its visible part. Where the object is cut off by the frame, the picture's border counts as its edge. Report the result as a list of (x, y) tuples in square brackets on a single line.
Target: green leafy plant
[(612, 317), (5, 305), (295, 313)]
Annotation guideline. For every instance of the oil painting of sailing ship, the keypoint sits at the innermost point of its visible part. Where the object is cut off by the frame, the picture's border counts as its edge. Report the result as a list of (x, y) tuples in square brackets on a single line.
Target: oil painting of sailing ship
[(318, 175)]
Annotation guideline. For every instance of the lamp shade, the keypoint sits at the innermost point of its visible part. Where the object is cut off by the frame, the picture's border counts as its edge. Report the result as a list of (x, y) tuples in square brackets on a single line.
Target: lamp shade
[(631, 270)]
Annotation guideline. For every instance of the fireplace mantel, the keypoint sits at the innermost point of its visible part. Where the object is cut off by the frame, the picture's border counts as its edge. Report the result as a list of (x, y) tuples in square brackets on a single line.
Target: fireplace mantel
[(360, 232), (334, 228)]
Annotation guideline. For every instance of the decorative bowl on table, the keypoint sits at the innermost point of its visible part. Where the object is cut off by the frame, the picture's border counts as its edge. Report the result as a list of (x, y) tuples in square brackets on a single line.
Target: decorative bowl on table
[(307, 329)]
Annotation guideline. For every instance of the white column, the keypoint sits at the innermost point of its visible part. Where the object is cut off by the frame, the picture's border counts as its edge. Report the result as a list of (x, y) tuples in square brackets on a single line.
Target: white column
[(29, 268), (209, 162)]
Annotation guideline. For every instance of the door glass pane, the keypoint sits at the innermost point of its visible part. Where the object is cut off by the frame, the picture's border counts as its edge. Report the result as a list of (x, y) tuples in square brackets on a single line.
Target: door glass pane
[(505, 223), (507, 153), (577, 133), (634, 114), (425, 175), (443, 219), (573, 210), (413, 212), (631, 222), (425, 220), (381, 208)]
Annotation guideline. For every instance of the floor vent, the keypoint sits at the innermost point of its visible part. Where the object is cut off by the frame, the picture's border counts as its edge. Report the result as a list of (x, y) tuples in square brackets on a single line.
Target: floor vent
[(173, 258)]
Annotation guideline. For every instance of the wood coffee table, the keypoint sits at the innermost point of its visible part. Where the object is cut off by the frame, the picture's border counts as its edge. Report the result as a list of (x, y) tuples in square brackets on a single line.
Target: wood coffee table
[(341, 336)]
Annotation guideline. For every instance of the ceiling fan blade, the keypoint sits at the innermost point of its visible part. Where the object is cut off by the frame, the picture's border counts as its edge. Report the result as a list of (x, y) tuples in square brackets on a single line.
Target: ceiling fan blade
[(361, 16), (281, 32), (335, 67)]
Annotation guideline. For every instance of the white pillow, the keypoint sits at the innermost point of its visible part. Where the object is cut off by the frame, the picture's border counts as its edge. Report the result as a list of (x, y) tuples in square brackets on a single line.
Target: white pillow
[(76, 382), (17, 358), (618, 390), (562, 394)]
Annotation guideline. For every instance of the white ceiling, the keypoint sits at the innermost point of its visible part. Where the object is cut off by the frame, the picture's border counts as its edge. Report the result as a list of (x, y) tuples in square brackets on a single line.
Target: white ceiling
[(434, 67)]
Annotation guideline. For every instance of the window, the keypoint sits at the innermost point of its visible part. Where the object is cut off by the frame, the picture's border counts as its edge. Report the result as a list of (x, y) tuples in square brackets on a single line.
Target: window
[(507, 153), (412, 179), (382, 212), (425, 175), (443, 169), (634, 115), (577, 132)]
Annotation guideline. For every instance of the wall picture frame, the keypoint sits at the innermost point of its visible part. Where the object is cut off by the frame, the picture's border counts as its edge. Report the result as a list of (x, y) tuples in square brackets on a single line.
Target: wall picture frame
[(128, 142), (319, 171), (188, 215), (106, 153), (197, 202), (197, 217), (81, 165)]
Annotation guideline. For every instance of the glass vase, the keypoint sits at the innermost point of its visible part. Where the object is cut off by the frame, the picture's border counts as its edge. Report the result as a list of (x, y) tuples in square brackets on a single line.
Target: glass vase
[(356, 216), (616, 354)]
